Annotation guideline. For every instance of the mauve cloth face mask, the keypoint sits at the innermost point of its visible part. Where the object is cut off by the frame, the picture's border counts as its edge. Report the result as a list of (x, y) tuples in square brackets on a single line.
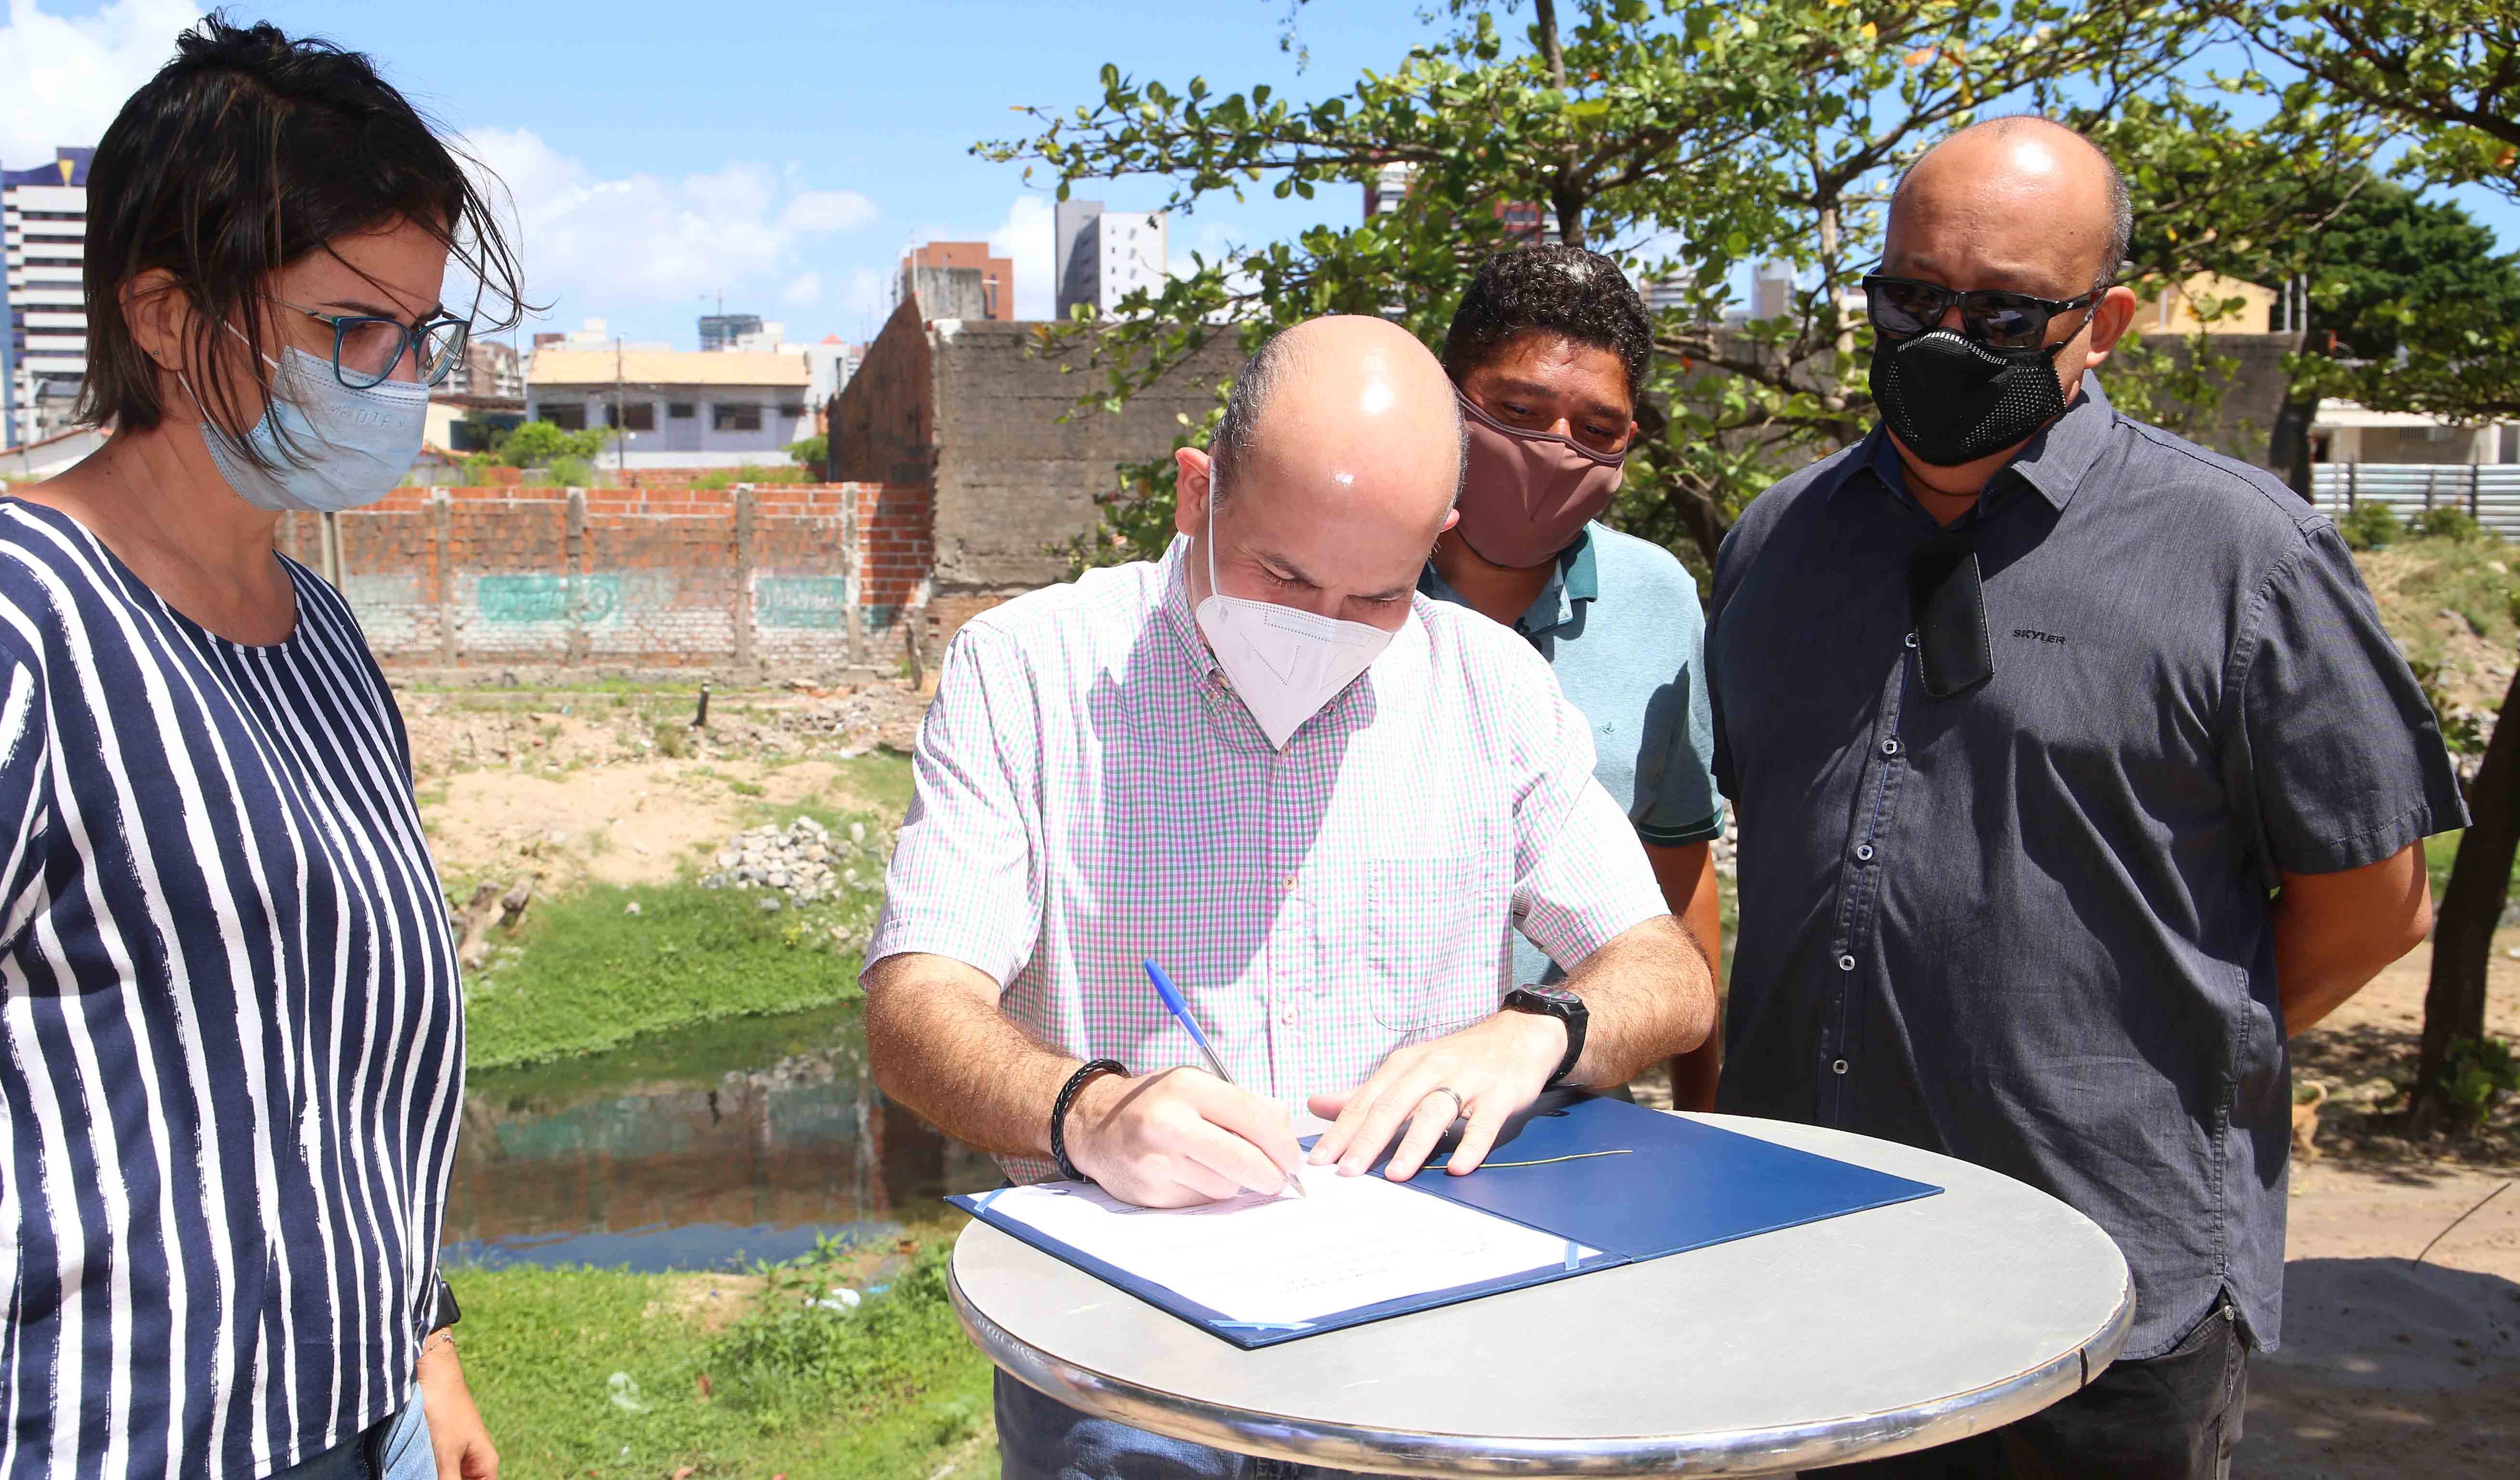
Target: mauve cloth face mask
[(1528, 494)]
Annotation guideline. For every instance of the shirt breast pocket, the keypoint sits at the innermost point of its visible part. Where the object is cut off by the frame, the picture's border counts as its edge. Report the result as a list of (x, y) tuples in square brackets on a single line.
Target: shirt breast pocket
[(1436, 933)]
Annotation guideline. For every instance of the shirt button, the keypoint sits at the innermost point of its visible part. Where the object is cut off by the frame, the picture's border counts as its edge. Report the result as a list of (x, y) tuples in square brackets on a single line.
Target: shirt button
[(1838, 1067), (1864, 853), (1911, 640), (1287, 883), (1286, 1017), (1889, 748), (1846, 963)]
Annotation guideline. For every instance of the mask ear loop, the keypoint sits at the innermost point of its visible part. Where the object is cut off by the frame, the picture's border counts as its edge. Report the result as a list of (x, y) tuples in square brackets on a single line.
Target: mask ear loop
[(209, 428), (1472, 410)]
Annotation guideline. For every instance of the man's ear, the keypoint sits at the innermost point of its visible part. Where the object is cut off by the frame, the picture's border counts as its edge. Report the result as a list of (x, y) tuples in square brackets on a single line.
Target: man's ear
[(1194, 481), (2110, 317)]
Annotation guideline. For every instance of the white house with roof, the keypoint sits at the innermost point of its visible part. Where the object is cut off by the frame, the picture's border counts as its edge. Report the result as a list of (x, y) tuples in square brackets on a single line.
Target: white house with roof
[(676, 408)]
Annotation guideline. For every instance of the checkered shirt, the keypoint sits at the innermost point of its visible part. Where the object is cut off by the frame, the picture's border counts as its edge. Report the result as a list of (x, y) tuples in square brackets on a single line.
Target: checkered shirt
[(1090, 795)]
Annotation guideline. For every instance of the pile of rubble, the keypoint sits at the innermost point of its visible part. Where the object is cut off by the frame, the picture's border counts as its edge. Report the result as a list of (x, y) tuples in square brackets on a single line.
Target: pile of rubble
[(802, 861)]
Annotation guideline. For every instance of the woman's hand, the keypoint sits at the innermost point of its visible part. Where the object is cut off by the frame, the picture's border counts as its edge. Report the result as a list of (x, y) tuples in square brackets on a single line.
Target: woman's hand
[(455, 1427)]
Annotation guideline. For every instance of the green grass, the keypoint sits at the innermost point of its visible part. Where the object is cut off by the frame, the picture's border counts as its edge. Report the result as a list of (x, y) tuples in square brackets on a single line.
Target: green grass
[(880, 781), (887, 1390), (754, 473), (2440, 850), (583, 975)]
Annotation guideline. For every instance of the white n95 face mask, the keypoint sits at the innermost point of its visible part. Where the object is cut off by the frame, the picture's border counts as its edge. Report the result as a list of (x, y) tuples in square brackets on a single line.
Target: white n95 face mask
[(328, 447), (1284, 664)]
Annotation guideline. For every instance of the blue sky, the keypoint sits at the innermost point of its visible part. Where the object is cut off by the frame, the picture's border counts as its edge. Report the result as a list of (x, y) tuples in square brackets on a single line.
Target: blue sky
[(783, 151)]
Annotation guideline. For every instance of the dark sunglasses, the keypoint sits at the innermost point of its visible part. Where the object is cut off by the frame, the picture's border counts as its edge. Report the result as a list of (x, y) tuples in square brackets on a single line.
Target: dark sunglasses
[(366, 349), (1904, 306)]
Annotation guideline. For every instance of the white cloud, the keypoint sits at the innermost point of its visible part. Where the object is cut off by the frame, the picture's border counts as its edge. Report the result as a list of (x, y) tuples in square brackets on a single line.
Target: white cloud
[(613, 247), (1025, 237), (1211, 239), (63, 78)]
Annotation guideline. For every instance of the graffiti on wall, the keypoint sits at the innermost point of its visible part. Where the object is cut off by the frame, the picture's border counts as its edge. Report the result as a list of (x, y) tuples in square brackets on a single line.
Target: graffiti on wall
[(586, 600), (813, 601)]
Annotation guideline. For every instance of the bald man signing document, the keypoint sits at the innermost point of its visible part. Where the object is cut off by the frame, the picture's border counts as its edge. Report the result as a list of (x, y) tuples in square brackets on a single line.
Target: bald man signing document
[(1320, 801), (2075, 770)]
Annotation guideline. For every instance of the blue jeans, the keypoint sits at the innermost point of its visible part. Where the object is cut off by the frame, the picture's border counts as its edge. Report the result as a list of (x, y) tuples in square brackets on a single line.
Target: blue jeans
[(396, 1449), (1043, 1439)]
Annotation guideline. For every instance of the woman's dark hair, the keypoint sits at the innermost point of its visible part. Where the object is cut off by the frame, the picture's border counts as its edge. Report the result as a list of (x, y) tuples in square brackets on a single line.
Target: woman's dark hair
[(242, 154), (1552, 289)]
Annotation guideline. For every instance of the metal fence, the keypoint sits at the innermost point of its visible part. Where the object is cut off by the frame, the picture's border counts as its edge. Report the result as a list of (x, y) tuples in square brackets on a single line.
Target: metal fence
[(2490, 492)]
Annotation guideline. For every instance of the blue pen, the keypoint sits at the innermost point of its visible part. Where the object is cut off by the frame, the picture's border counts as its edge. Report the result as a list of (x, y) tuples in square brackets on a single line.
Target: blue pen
[(1180, 1009)]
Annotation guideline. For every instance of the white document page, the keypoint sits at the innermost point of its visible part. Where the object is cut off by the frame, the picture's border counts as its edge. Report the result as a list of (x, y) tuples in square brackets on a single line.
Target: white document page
[(1284, 1260)]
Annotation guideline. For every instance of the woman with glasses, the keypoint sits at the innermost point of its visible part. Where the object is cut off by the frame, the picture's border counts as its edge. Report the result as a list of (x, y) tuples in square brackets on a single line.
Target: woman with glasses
[(1548, 352), (234, 1040)]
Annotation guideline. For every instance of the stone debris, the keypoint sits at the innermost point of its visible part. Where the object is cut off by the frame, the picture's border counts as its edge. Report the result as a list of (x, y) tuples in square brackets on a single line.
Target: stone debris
[(794, 864)]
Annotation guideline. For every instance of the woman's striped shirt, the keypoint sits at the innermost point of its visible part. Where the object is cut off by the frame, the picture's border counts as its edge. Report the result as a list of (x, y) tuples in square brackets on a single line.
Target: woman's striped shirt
[(233, 1037)]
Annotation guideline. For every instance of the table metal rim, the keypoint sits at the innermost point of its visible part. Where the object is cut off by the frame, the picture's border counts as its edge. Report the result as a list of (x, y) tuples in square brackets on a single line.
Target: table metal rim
[(1734, 1452)]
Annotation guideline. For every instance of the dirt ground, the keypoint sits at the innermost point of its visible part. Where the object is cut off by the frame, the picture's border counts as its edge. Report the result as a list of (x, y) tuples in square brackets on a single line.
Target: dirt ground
[(621, 788), (2389, 1368)]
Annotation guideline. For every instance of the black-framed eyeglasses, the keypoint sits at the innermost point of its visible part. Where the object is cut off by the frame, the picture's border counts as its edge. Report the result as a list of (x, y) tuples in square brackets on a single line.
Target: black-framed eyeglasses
[(1993, 317), (366, 349)]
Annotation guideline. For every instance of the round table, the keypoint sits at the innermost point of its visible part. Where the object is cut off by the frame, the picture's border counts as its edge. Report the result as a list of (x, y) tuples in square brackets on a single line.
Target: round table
[(1871, 1335)]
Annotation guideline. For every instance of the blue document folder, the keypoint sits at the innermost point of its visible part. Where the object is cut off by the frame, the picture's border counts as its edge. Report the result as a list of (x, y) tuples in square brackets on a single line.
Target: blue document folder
[(1601, 1174)]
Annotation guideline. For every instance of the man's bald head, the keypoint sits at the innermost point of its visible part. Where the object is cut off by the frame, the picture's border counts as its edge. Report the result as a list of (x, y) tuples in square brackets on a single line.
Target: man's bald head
[(1334, 470), (2013, 205), (1355, 369), (2029, 176)]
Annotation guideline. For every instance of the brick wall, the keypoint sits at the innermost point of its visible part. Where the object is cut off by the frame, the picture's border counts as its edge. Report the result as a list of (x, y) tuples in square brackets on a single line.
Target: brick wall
[(981, 417), (643, 577)]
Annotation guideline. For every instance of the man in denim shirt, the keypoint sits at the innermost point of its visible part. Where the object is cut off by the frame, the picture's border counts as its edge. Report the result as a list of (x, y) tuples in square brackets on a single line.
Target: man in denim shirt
[(2076, 772)]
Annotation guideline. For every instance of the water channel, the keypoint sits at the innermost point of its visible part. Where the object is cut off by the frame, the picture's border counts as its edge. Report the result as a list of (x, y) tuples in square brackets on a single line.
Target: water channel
[(703, 1149)]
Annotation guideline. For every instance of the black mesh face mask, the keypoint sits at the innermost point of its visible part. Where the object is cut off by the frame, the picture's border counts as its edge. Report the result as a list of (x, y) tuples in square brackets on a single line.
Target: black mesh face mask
[(1953, 400)]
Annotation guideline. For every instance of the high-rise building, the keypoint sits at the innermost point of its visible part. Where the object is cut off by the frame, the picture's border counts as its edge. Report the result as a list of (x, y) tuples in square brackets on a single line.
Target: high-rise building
[(997, 275), (489, 369), (720, 330), (1385, 190), (1664, 294), (1105, 255), (829, 366), (43, 357), (1526, 221)]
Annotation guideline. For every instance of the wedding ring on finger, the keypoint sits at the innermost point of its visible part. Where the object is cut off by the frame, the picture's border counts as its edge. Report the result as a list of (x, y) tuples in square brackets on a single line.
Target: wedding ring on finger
[(1461, 1106)]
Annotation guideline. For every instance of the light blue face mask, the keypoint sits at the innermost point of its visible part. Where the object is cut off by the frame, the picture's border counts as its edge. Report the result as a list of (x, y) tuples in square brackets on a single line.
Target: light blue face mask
[(328, 447)]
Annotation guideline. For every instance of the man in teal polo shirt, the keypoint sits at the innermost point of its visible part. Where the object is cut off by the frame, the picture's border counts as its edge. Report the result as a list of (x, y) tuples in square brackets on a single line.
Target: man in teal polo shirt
[(1548, 352)]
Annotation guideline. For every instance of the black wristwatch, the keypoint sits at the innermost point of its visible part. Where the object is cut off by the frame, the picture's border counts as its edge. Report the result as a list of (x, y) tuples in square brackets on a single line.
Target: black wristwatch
[(1566, 1007)]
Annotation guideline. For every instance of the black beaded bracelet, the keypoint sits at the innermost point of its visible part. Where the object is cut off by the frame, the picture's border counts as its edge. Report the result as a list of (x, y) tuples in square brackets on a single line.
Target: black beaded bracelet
[(1067, 1094)]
